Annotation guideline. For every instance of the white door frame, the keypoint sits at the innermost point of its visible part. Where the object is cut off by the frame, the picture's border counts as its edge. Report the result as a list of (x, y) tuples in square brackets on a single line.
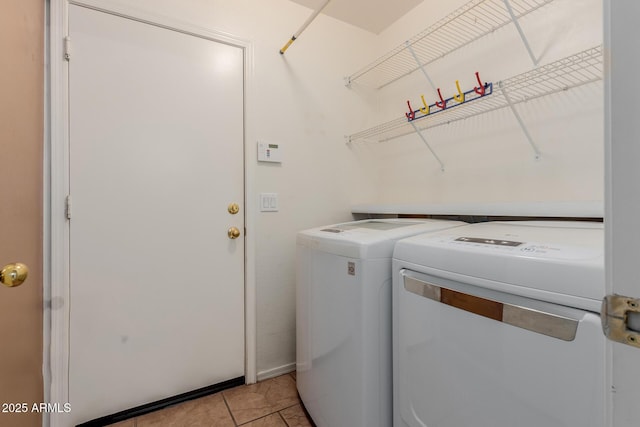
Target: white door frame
[(56, 250), (622, 204)]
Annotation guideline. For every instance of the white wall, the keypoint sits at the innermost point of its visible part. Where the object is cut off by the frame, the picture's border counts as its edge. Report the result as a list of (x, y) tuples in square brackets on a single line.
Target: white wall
[(299, 101), (487, 158)]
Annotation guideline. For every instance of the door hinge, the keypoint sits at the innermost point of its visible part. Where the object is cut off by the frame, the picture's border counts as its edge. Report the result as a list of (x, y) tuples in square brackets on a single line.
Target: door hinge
[(617, 314), (67, 48), (68, 207)]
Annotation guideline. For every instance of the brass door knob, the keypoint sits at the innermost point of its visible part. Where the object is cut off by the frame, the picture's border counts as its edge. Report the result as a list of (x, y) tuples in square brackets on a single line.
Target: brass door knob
[(233, 208), (233, 233), (14, 274)]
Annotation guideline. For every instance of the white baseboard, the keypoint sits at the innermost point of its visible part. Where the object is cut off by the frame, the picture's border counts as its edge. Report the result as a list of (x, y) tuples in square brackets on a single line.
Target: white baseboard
[(274, 372)]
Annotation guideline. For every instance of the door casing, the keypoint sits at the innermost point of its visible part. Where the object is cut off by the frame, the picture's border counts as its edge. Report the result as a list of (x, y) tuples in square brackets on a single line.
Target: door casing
[(56, 251), (622, 203)]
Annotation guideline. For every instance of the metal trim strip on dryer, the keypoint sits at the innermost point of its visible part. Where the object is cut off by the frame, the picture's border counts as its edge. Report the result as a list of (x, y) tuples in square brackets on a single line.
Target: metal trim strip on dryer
[(541, 322)]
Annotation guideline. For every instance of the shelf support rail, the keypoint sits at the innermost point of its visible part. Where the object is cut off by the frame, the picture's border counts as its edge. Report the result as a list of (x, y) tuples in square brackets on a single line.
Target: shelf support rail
[(519, 28), (519, 119), (427, 144), (413, 53)]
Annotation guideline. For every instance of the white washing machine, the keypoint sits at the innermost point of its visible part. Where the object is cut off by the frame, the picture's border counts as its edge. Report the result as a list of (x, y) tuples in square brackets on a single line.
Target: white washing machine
[(496, 325), (343, 314)]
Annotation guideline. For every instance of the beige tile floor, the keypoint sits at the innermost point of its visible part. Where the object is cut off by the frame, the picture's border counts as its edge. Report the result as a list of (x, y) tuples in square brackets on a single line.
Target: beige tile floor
[(269, 403)]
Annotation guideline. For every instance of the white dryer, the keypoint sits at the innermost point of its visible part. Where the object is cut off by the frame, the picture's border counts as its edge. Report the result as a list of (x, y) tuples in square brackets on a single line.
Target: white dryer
[(496, 325), (343, 314)]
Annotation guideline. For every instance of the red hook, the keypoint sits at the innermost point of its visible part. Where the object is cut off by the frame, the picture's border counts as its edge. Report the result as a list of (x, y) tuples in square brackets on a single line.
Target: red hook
[(442, 103), (479, 90), (411, 114)]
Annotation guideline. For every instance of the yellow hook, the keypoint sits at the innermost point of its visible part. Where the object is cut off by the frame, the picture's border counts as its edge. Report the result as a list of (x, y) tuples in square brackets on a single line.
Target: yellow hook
[(425, 109), (460, 96)]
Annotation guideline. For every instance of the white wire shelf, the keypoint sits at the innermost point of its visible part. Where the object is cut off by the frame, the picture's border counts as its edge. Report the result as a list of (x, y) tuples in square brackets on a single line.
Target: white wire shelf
[(570, 72), (463, 26)]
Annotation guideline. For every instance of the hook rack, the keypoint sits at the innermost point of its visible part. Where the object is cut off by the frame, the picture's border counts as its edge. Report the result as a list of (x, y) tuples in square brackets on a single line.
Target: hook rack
[(573, 71), (446, 104), (460, 98), (465, 25)]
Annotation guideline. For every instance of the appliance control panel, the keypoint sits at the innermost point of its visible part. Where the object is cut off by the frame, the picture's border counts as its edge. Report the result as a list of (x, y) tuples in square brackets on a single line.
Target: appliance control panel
[(514, 247), (498, 242)]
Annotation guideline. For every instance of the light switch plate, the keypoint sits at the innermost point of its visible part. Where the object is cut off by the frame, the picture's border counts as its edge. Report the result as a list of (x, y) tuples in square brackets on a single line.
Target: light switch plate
[(268, 202)]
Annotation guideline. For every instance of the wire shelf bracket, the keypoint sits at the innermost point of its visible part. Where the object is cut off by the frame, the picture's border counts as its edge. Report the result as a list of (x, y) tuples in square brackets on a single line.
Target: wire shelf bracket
[(520, 122), (420, 65), (522, 35), (419, 132)]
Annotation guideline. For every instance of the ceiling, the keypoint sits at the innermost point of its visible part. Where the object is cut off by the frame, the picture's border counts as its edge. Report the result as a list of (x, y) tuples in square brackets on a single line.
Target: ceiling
[(370, 15)]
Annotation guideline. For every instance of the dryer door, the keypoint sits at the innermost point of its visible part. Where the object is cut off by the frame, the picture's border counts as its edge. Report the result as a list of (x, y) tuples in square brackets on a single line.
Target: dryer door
[(470, 356)]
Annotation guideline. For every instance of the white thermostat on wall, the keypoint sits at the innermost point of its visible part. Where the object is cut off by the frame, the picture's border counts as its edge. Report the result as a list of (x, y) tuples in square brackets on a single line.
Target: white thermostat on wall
[(269, 152)]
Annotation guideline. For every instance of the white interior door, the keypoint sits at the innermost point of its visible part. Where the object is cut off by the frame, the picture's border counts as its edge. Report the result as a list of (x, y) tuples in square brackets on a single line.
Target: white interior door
[(622, 214), (156, 156)]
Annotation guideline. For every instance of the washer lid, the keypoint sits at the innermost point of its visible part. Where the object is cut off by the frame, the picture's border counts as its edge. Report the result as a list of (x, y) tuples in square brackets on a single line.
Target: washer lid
[(563, 260), (368, 238)]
